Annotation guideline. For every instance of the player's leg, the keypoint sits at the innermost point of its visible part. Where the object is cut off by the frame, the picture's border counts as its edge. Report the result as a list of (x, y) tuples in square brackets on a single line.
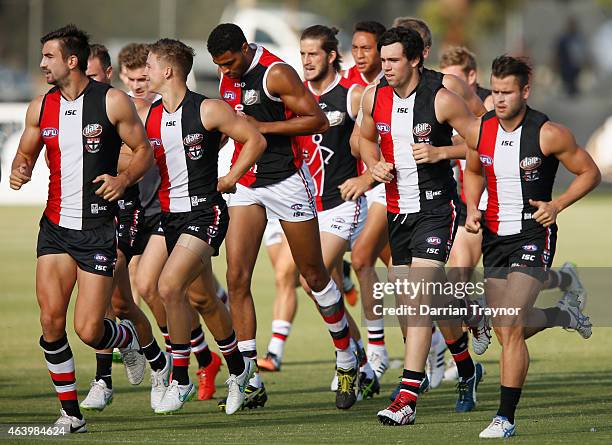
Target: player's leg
[(133, 269)]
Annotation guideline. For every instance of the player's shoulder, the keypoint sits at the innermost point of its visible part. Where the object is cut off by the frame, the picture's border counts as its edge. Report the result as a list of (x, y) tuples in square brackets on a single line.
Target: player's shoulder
[(554, 132)]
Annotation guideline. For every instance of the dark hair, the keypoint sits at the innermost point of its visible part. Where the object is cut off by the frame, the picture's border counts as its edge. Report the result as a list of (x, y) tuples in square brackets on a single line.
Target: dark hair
[(459, 56), (417, 25), (504, 66), (410, 40), (225, 37), (133, 56), (370, 26), (73, 42), (176, 52), (328, 39), (97, 51)]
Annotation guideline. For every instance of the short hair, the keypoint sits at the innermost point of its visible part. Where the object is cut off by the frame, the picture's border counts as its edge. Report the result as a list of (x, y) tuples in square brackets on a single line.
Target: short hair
[(504, 66), (97, 51), (73, 42), (175, 52), (371, 27), (133, 56), (225, 37), (411, 42), (329, 41), (458, 56), (416, 24)]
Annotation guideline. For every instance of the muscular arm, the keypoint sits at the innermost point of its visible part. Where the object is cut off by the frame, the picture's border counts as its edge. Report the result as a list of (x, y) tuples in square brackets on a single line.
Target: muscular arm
[(284, 83), (30, 146), (379, 169), (473, 185), (125, 156), (217, 115)]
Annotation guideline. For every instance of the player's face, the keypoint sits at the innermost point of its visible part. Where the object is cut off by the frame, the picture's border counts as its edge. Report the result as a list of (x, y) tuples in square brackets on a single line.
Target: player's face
[(455, 70), (365, 52), (154, 72), (315, 61), (136, 81), (96, 71), (509, 98), (232, 64), (53, 65), (397, 68)]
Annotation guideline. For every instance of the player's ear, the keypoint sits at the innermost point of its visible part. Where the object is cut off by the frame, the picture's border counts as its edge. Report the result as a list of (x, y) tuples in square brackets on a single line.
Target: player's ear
[(168, 71), (471, 77), (332, 56), (244, 48), (109, 72), (73, 61), (426, 52), (526, 91)]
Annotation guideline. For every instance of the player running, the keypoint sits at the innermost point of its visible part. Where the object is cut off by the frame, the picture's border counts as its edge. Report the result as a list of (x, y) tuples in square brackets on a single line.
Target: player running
[(82, 123), (519, 150), (269, 93), (186, 128)]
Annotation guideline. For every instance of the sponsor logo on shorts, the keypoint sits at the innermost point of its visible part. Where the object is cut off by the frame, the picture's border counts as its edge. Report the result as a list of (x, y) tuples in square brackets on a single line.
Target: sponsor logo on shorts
[(336, 227), (229, 95), (96, 208), (487, 161), (338, 219), (196, 200), (335, 118), (298, 214), (92, 130), (527, 257), (434, 240), (546, 256), (99, 258), (195, 152), (193, 139), (383, 128), (121, 204), (530, 247), (433, 251), (431, 194), (49, 132), (421, 130), (250, 97), (193, 228), (530, 163), (297, 206), (212, 231)]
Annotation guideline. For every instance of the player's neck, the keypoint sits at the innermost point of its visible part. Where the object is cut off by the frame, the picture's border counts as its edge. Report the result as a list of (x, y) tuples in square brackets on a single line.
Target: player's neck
[(320, 85), (509, 125), (406, 90), (371, 76), (74, 85), (173, 95)]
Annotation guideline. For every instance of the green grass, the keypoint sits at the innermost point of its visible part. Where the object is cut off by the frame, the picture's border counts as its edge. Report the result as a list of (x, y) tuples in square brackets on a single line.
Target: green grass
[(568, 390)]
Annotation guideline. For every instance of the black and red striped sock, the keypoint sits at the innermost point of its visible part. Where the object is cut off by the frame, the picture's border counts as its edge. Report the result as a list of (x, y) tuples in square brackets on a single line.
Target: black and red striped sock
[(411, 382), (60, 364), (164, 331), (231, 353), (200, 348), (115, 336), (180, 363), (462, 357), (104, 367)]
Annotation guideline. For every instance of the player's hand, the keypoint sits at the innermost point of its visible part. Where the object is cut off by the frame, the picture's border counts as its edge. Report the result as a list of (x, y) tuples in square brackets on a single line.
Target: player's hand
[(226, 184), (546, 213), (472, 221), (382, 172), (353, 188), (426, 153), (20, 176), (112, 187)]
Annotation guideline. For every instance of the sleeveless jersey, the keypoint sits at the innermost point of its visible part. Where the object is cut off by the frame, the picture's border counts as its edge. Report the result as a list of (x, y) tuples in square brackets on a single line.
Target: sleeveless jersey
[(400, 123), (354, 76), (186, 155), (516, 170), (250, 95), (328, 155), (81, 144)]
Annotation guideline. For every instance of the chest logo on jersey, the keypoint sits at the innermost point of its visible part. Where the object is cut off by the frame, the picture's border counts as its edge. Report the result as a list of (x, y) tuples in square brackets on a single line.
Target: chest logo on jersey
[(92, 139), (421, 132), (49, 132), (335, 118), (193, 142), (487, 161), (530, 165), (383, 128), (250, 97), (229, 96)]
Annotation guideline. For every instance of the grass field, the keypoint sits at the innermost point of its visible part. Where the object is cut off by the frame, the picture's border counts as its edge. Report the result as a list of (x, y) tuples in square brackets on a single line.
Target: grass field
[(567, 398)]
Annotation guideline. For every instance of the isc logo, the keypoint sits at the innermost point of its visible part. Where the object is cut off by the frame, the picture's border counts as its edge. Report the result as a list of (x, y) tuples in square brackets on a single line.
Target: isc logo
[(507, 143), (171, 124), (403, 110), (70, 113)]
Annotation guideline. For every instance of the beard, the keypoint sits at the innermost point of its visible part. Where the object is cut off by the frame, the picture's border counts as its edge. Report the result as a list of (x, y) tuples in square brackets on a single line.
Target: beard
[(321, 75)]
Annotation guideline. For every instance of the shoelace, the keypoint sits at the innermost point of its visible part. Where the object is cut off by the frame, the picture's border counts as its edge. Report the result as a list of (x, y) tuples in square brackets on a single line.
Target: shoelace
[(346, 383), (463, 389), (398, 404), (129, 357)]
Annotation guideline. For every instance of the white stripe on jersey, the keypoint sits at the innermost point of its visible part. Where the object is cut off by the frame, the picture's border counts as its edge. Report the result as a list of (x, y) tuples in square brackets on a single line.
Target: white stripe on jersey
[(71, 163), (508, 176), (172, 139), (407, 176)]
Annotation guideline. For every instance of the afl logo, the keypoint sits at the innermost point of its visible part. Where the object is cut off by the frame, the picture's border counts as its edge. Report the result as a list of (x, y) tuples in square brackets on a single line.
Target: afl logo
[(487, 161), (421, 130), (383, 128), (434, 240), (195, 152), (193, 139), (530, 247), (229, 95), (99, 258), (92, 130), (49, 132), (530, 163), (155, 142)]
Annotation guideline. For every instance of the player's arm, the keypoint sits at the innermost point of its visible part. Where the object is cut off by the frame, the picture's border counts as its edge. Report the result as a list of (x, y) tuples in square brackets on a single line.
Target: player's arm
[(368, 142), (29, 147), (473, 185), (122, 114), (217, 115), (558, 141), (464, 91), (125, 155), (284, 83)]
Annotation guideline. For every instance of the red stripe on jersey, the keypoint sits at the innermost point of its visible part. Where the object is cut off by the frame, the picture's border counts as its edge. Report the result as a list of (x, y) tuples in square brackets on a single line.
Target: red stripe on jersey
[(48, 123), (383, 110), (354, 76), (461, 172), (154, 135), (486, 151)]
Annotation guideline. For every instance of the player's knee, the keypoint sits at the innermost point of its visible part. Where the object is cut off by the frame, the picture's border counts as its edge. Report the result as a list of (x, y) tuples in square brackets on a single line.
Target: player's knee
[(53, 325), (361, 260), (90, 333), (169, 290), (315, 278), (285, 276), (205, 306), (238, 282), (509, 334), (145, 286)]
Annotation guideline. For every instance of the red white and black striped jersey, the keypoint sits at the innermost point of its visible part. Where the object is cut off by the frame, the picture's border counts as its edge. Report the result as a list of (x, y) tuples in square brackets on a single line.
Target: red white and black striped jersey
[(81, 144), (250, 95), (401, 122), (186, 155), (516, 170), (353, 75), (328, 155)]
